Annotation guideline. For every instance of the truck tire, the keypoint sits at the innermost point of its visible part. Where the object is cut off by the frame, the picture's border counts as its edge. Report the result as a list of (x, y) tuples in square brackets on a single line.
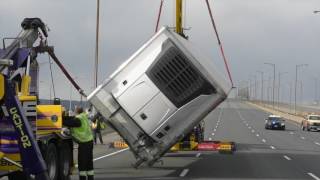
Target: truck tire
[(51, 158), (17, 175), (65, 161)]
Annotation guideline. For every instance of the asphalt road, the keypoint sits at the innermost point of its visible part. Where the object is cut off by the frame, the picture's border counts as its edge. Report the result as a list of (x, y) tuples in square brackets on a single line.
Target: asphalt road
[(261, 154)]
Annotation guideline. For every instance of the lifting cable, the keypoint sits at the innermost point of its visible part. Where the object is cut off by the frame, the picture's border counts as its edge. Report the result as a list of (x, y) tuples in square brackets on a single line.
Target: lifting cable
[(159, 16), (52, 82), (219, 42)]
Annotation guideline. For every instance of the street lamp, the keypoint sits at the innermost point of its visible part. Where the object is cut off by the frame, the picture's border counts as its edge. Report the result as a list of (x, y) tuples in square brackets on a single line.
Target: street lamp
[(295, 86), (254, 89), (274, 80), (316, 90), (280, 73), (290, 96), (261, 85)]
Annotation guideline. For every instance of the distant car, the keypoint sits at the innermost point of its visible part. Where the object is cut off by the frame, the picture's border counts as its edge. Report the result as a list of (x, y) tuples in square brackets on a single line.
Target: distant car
[(311, 122), (275, 122)]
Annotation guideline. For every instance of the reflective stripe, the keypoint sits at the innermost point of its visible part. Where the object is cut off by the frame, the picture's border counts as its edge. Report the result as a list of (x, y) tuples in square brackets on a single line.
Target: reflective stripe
[(90, 173), (83, 173)]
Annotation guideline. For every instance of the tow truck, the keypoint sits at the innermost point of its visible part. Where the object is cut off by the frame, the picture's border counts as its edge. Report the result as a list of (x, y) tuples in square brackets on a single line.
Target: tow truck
[(32, 140)]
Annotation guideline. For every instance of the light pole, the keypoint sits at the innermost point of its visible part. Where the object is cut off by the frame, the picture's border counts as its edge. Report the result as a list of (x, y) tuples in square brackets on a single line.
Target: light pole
[(295, 86), (268, 90), (250, 89), (290, 96), (280, 73), (274, 81), (261, 85), (316, 90), (95, 70), (254, 91)]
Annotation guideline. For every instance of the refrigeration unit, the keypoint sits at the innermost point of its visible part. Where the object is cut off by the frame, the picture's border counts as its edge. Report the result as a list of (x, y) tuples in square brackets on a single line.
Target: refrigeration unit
[(159, 94)]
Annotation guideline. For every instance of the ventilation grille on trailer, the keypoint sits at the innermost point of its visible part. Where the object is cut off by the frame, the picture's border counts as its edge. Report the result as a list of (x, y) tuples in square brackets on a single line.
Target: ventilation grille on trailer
[(178, 78)]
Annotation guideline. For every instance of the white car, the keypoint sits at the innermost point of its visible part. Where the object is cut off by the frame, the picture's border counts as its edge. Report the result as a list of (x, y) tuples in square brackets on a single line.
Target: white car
[(311, 122)]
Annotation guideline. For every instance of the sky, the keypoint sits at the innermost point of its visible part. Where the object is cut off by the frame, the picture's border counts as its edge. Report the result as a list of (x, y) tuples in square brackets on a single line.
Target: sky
[(253, 32)]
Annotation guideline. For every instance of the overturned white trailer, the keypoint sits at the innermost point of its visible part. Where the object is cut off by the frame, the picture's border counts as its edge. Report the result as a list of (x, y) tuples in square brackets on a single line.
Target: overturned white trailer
[(159, 94)]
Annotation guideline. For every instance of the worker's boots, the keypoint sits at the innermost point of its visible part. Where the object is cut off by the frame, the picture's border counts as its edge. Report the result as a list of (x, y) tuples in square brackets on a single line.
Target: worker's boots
[(90, 177), (82, 177)]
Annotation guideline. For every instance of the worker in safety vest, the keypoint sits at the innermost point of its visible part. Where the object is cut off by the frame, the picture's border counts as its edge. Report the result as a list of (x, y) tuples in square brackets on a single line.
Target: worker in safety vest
[(82, 134)]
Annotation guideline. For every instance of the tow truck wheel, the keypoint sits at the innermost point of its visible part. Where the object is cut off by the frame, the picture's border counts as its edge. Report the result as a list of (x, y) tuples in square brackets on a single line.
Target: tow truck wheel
[(52, 161), (17, 175), (64, 161)]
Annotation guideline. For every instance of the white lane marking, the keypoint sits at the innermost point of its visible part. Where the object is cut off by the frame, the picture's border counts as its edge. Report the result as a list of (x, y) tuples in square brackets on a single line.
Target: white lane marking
[(240, 115), (111, 154), (212, 134), (184, 173), (313, 176), (252, 131), (303, 137), (247, 124), (287, 158), (215, 130), (291, 133), (272, 147), (317, 143), (263, 140), (249, 127), (198, 155), (257, 135)]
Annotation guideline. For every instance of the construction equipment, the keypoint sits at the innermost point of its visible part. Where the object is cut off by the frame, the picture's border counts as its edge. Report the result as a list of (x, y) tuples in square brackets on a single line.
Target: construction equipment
[(31, 134)]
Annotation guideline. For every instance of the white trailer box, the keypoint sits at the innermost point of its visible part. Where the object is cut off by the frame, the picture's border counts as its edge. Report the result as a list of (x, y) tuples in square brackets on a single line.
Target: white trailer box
[(159, 94)]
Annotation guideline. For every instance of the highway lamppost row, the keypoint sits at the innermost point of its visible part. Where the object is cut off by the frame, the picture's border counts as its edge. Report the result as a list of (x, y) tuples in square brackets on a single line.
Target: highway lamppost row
[(254, 88), (295, 86), (279, 85), (261, 85), (274, 81)]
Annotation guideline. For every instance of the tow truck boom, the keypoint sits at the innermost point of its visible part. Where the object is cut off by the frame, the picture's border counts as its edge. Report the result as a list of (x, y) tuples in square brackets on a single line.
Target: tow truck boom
[(32, 160)]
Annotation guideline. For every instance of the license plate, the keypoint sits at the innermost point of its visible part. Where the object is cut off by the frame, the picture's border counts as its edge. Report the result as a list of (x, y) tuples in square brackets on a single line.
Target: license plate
[(275, 125)]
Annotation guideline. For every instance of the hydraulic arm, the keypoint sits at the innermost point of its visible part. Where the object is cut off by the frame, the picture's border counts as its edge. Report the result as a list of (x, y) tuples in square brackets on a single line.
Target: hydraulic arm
[(12, 111)]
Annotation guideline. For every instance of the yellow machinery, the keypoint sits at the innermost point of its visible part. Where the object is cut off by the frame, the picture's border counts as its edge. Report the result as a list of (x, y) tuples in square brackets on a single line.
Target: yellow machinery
[(31, 134)]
